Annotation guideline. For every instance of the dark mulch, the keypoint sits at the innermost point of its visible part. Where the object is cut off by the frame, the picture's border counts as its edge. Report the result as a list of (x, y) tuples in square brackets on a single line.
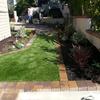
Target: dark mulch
[(87, 73), (6, 43)]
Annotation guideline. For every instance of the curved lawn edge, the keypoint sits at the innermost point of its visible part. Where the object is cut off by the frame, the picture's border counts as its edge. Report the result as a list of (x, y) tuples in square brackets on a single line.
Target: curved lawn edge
[(37, 63), (28, 45)]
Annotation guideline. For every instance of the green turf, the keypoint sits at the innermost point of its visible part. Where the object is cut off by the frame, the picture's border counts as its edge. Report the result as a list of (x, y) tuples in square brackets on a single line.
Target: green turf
[(37, 63)]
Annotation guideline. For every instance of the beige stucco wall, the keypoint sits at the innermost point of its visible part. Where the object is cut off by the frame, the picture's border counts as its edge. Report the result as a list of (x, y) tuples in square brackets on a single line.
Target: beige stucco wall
[(82, 24), (94, 40), (4, 20)]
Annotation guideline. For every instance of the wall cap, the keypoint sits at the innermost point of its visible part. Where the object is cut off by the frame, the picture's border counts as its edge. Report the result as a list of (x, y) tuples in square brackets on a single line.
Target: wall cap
[(96, 34), (81, 17)]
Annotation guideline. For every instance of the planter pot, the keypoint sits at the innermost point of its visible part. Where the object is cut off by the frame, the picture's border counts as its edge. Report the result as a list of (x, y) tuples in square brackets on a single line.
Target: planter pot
[(81, 23)]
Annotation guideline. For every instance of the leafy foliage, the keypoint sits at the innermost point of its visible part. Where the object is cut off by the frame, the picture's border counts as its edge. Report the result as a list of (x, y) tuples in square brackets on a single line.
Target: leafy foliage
[(79, 38), (22, 5), (75, 7), (96, 64), (95, 14), (81, 56)]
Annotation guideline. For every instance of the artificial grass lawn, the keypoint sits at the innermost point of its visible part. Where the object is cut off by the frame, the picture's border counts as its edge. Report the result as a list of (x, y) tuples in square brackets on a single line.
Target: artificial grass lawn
[(37, 63)]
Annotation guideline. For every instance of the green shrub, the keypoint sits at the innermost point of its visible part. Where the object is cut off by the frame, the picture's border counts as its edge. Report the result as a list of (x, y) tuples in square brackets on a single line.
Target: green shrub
[(14, 33), (79, 38), (19, 45), (23, 33), (28, 32)]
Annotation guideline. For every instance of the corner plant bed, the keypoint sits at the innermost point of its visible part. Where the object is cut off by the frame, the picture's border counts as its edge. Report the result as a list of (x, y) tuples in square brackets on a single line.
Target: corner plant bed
[(18, 40), (81, 58), (36, 63)]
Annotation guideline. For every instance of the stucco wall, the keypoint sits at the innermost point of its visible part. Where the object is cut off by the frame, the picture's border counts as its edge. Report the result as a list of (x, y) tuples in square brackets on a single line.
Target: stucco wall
[(94, 40), (4, 20), (82, 24)]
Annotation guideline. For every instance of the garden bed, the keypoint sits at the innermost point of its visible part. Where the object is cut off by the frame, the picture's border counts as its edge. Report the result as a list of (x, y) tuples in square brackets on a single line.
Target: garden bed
[(77, 69), (15, 42)]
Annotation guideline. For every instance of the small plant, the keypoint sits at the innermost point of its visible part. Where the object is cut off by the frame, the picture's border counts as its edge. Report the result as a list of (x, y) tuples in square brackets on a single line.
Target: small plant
[(96, 72), (81, 56), (78, 38), (22, 31), (14, 33), (17, 34), (19, 45), (28, 32), (96, 64)]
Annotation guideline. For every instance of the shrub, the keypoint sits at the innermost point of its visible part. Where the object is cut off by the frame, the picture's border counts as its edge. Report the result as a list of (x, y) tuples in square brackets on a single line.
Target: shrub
[(81, 56), (28, 32), (79, 38), (22, 33), (19, 45), (96, 65), (94, 11), (96, 72)]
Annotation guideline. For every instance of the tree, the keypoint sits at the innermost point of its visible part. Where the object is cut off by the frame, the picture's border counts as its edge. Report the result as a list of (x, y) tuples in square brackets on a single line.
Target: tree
[(10, 7), (95, 14), (23, 5)]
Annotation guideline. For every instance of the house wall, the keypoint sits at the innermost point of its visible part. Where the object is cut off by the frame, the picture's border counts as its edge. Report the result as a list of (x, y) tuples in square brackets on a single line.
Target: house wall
[(4, 20), (82, 24)]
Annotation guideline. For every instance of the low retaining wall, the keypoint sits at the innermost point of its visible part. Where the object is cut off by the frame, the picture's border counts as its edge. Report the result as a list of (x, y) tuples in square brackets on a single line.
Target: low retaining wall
[(81, 24)]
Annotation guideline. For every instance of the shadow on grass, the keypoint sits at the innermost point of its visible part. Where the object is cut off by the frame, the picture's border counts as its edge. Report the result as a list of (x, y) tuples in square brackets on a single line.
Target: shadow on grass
[(52, 40), (48, 38)]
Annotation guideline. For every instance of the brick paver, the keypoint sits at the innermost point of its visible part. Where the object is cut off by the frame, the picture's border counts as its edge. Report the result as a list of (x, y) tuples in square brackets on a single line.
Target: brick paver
[(64, 86), (20, 85), (3, 85), (11, 85), (98, 87), (72, 85), (62, 67), (91, 86), (82, 86), (9, 96)]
